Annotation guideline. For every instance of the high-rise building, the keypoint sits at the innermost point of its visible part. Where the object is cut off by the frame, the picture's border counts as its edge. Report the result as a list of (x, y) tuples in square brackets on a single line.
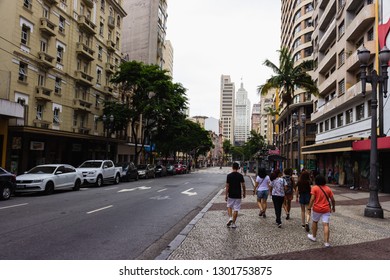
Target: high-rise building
[(266, 118), (242, 119), (168, 57), (57, 58), (144, 30), (255, 119), (296, 35), (227, 108)]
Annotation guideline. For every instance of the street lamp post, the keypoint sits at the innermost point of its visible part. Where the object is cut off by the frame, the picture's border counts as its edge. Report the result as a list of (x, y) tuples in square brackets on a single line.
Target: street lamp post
[(299, 127), (108, 125), (373, 208)]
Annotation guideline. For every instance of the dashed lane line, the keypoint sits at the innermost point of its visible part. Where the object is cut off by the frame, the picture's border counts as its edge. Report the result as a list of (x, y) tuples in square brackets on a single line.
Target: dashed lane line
[(100, 209), (11, 206)]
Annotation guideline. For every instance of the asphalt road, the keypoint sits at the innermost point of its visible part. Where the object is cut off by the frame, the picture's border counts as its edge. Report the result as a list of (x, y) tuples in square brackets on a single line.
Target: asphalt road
[(134, 220)]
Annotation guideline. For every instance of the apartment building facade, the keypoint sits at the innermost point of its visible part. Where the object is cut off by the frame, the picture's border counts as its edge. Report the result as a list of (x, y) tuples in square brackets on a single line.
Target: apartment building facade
[(266, 119), (296, 35), (144, 30), (227, 108), (255, 117), (59, 56)]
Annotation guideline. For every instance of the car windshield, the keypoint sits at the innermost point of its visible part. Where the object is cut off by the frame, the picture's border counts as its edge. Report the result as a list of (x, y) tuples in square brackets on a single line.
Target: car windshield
[(42, 170), (142, 166), (122, 164), (89, 164)]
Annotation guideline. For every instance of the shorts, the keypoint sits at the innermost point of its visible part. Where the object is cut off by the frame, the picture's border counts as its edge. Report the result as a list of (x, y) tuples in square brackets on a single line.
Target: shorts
[(289, 196), (325, 217), (262, 194), (234, 203), (304, 198)]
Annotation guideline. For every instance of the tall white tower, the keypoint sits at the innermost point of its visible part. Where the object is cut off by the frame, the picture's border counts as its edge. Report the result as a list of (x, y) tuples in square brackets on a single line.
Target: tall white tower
[(227, 108), (242, 116)]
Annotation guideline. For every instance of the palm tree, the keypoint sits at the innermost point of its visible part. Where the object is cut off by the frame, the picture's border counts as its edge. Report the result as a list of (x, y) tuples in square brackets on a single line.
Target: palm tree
[(288, 78)]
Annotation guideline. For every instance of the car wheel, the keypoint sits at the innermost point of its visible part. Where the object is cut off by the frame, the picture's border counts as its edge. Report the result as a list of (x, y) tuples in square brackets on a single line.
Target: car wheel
[(117, 179), (5, 193), (77, 185), (99, 181), (49, 188)]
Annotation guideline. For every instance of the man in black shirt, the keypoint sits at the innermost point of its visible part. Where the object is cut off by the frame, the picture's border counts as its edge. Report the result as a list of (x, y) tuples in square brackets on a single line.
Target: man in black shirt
[(234, 182)]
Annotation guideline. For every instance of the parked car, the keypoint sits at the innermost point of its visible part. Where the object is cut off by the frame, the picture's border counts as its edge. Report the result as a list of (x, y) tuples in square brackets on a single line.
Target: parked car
[(99, 172), (180, 169), (129, 171), (7, 184), (49, 177), (146, 171), (161, 170), (171, 170)]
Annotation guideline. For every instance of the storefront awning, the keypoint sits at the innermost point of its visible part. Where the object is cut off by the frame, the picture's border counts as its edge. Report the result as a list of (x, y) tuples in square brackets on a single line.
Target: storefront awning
[(365, 145), (341, 145)]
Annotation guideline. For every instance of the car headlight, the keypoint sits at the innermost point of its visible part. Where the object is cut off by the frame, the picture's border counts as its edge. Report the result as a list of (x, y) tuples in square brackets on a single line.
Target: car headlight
[(38, 181), (92, 172)]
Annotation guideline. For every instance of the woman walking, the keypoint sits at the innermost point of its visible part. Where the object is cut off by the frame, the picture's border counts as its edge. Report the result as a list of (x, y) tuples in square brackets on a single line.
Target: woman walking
[(304, 187), (321, 195), (261, 189), (277, 190)]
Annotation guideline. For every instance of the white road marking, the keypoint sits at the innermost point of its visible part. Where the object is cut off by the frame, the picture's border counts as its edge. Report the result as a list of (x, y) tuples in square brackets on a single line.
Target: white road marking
[(11, 206), (100, 209), (127, 190), (186, 183), (137, 188), (187, 192), (161, 190), (144, 188), (160, 197), (112, 188)]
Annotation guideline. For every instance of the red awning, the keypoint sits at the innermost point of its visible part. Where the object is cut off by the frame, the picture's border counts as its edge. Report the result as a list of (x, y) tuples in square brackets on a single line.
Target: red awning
[(365, 145)]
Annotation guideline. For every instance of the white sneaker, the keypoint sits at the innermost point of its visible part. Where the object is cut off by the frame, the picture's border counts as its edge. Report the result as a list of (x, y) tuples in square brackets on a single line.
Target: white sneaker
[(326, 244), (233, 225), (229, 223), (311, 237)]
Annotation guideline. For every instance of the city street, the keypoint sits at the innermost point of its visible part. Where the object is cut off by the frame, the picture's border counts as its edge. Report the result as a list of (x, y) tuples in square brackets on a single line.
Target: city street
[(134, 220)]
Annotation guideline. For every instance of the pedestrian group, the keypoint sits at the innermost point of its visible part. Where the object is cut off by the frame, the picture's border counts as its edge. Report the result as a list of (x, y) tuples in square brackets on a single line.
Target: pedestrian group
[(317, 201)]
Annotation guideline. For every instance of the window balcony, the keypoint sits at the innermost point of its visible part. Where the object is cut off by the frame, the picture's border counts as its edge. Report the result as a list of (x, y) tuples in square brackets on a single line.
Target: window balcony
[(43, 94), (86, 25), (361, 23), (88, 3), (111, 22), (84, 78), (47, 27), (82, 105), (352, 61), (110, 68), (109, 89), (110, 45), (45, 60), (85, 51), (328, 85), (51, 2), (327, 61), (328, 36)]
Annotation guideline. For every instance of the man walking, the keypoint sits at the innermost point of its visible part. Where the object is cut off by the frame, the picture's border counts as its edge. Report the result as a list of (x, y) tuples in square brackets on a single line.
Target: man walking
[(234, 183)]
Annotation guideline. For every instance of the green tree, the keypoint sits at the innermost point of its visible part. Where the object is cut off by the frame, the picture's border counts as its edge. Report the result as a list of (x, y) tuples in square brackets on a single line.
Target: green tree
[(287, 78), (227, 147), (151, 98)]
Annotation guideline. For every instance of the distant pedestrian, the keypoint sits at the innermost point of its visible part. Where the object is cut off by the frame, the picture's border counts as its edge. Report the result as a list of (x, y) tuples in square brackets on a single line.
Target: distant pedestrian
[(330, 176), (321, 196), (261, 189), (288, 192), (304, 188), (245, 168), (235, 190), (277, 188)]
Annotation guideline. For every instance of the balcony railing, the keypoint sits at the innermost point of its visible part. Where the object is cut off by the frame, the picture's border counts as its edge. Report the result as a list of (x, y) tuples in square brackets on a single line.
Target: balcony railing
[(84, 78), (47, 27), (42, 93), (86, 25), (45, 59), (85, 51)]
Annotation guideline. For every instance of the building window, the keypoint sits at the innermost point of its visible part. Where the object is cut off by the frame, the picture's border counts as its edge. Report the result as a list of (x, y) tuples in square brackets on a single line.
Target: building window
[(348, 116), (61, 25), (297, 15), (341, 58), (43, 46), (118, 21), (341, 29), (370, 34), (23, 72), (41, 80), (58, 84), (360, 112), (332, 122), (101, 29), (25, 36), (340, 120), (60, 54), (56, 116), (39, 112), (341, 87), (102, 5), (321, 127), (98, 76), (100, 53), (27, 4), (74, 118), (326, 125), (97, 103)]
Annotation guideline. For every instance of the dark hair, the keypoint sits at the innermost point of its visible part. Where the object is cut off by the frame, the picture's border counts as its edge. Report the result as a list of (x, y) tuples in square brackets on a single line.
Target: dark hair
[(262, 173), (235, 166), (288, 171), (304, 177), (320, 180)]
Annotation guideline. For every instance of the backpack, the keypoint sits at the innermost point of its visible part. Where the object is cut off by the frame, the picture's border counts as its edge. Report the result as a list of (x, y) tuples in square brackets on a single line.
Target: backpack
[(289, 189)]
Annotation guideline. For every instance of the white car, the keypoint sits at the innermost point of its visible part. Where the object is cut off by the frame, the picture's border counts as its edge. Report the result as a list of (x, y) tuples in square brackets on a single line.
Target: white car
[(49, 177)]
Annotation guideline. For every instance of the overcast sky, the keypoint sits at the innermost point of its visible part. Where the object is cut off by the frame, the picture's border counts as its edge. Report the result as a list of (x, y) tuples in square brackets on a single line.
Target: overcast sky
[(215, 37)]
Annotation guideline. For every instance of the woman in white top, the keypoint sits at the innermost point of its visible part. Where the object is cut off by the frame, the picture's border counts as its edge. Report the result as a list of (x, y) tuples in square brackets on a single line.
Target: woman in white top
[(262, 189)]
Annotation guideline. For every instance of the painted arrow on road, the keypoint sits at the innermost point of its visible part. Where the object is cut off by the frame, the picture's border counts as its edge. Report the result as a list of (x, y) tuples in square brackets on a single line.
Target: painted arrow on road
[(187, 192)]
